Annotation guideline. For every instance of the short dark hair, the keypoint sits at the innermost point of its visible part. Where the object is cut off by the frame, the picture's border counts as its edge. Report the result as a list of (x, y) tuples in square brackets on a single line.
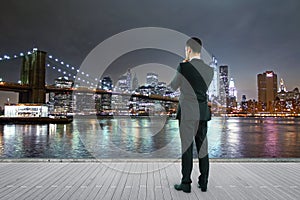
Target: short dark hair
[(195, 44)]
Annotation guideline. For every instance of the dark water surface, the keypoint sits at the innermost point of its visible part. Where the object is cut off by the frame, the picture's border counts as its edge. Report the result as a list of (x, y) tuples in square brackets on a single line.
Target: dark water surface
[(150, 138)]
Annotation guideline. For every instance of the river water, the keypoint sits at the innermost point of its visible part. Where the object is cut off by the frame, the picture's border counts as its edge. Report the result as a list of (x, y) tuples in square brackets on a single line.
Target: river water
[(146, 137)]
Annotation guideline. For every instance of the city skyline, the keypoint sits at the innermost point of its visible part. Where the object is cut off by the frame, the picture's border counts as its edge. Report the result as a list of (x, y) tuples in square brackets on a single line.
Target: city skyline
[(32, 88), (141, 72), (244, 35)]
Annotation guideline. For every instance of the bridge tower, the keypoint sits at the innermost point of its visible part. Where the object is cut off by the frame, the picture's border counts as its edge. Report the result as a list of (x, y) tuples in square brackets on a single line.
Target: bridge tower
[(33, 74)]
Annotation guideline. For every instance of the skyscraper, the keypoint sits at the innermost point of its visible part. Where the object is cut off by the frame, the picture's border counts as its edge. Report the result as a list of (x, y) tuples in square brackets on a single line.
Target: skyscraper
[(106, 83), (213, 89), (135, 82), (129, 80), (152, 79), (232, 95), (282, 87), (61, 102), (267, 89), (103, 101), (123, 83), (224, 84), (232, 89)]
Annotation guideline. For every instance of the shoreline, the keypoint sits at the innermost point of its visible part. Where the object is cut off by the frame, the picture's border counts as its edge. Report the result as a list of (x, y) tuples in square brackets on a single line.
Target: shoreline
[(121, 160)]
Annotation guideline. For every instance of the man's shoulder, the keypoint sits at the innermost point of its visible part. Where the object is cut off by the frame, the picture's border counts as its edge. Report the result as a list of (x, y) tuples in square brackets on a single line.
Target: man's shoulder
[(198, 63)]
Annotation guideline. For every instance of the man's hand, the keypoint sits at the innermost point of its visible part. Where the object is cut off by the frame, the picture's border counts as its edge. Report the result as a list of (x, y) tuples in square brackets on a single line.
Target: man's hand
[(209, 103)]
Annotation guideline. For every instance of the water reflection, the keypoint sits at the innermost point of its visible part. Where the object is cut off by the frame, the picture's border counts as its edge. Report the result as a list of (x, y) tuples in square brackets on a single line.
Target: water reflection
[(149, 138), (40, 141)]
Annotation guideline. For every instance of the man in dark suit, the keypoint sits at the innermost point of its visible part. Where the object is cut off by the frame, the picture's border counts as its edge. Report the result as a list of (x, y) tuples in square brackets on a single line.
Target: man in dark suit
[(193, 77)]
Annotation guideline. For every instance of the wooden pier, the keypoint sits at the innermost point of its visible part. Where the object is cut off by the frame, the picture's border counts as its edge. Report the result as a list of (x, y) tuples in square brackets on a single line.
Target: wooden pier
[(147, 179)]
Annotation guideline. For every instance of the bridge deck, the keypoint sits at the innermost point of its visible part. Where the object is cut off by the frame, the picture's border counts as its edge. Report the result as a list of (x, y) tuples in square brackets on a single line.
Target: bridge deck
[(146, 180)]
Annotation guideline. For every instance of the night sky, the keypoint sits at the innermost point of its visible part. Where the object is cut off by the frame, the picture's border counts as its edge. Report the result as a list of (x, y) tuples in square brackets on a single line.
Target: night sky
[(248, 36)]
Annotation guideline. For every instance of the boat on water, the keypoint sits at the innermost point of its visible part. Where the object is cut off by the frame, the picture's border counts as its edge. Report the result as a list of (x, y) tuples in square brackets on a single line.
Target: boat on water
[(31, 114)]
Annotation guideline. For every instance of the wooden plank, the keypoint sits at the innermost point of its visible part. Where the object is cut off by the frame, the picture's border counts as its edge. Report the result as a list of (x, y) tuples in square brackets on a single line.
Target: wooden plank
[(236, 186), (106, 180), (39, 182), (150, 187), (69, 181), (215, 189), (134, 193), (17, 173), (276, 180), (101, 181), (24, 179), (136, 181), (164, 181), (7, 169), (121, 185), (133, 181), (158, 186), (58, 183), (78, 182), (97, 183), (114, 189), (91, 182), (142, 194)]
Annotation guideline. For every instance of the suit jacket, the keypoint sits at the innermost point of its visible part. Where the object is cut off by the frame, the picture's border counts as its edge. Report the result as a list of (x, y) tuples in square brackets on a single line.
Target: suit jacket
[(193, 78)]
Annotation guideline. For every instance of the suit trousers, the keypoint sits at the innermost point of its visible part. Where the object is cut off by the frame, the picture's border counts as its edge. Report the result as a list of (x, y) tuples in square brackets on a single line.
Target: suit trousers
[(194, 130)]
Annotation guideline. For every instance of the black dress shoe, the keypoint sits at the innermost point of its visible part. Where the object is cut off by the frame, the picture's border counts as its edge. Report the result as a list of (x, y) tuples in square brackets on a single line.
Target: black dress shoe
[(203, 189), (184, 187)]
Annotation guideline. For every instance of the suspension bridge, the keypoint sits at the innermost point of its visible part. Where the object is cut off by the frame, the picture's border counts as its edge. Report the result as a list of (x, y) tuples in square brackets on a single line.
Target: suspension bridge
[(32, 87)]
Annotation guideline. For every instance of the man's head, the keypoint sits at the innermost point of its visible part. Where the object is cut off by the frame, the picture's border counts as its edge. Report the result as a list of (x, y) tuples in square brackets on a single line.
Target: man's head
[(193, 47)]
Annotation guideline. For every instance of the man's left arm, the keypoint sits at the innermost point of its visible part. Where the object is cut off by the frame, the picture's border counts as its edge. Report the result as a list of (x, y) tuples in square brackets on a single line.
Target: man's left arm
[(176, 82)]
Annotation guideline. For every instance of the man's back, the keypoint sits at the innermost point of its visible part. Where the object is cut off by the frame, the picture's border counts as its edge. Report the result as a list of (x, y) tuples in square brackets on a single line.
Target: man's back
[(196, 78), (199, 75)]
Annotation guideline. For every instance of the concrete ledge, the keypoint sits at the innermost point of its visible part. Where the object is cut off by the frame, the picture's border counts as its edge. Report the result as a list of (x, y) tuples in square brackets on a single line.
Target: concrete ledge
[(117, 160)]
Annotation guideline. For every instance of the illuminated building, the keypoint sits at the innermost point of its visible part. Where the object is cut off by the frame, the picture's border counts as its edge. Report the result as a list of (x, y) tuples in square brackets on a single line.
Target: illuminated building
[(232, 89), (129, 80), (232, 94), (287, 101), (213, 90), (267, 90), (26, 110), (84, 103), (244, 103), (63, 82), (122, 83), (106, 83), (104, 101), (135, 82), (282, 87), (61, 102), (152, 79), (224, 85)]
